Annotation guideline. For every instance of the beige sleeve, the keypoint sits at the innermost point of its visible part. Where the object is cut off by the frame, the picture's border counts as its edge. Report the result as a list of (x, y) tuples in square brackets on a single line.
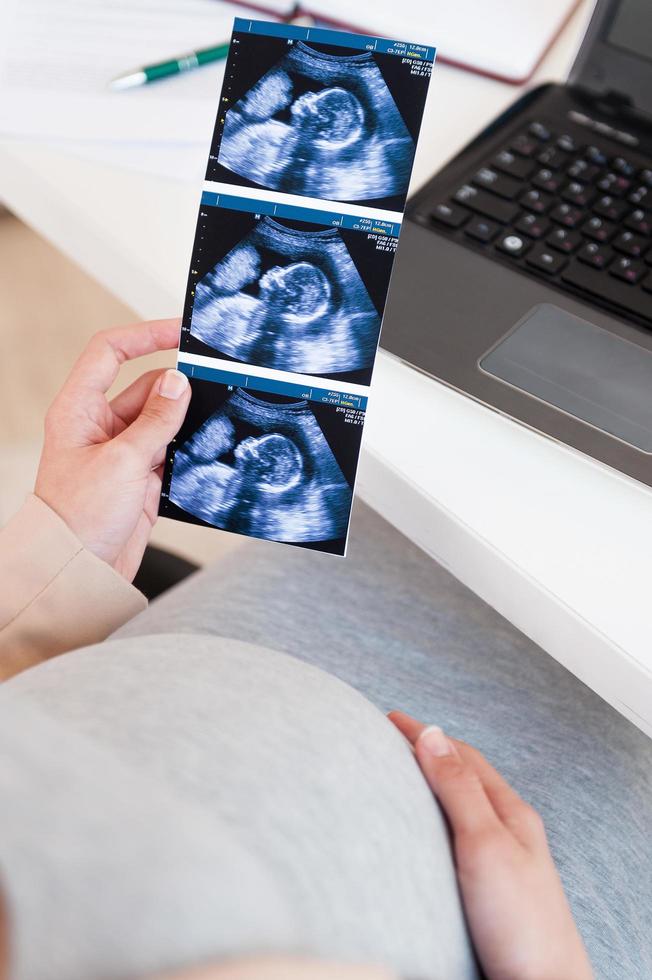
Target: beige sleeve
[(55, 594)]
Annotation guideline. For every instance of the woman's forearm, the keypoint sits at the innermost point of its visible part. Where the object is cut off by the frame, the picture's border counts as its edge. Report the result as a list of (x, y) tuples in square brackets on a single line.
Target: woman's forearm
[(68, 557)]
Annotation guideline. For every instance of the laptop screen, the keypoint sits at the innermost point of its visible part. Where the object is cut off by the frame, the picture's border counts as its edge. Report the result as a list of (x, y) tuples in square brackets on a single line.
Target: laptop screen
[(631, 28)]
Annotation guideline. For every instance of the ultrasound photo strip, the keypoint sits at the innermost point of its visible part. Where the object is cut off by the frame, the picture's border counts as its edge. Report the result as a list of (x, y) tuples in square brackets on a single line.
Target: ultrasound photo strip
[(289, 298), (344, 139), (261, 465), (321, 120)]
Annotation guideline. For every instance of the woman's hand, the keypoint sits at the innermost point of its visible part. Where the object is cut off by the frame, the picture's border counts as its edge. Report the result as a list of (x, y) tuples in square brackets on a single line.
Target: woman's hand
[(520, 921), (101, 464)]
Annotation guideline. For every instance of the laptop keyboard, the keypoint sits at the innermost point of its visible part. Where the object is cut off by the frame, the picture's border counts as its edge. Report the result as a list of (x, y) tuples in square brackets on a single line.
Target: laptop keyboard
[(566, 211)]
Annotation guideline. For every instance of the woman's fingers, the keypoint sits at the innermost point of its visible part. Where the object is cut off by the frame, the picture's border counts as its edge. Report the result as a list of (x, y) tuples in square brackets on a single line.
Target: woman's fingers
[(160, 419), (514, 813), (98, 365), (407, 725), (128, 404), (456, 784), (152, 496)]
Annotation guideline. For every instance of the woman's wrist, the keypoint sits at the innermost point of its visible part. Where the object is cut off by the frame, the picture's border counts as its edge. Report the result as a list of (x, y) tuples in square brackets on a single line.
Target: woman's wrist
[(56, 594)]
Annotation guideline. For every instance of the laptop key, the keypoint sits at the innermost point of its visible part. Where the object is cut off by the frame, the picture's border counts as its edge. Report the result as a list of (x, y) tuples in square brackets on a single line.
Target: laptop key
[(639, 222), (547, 181), (512, 244), (628, 270), (611, 208), (533, 225), (623, 166), (566, 215), (598, 229), (598, 256), (594, 282), (612, 184), (481, 229), (486, 204), (498, 183), (645, 176), (536, 200), (630, 244), (545, 260), (540, 131), (553, 158), (639, 195), (576, 193), (596, 156), (564, 240), (567, 144), (525, 146), (449, 214), (583, 171), (647, 282), (512, 165)]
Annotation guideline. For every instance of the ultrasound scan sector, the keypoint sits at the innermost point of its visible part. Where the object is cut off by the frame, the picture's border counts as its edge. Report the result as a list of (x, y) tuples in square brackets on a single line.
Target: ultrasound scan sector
[(264, 469), (287, 299), (320, 125)]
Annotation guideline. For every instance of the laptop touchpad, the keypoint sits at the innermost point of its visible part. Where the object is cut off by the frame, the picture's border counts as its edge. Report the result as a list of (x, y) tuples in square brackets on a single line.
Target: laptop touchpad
[(581, 369)]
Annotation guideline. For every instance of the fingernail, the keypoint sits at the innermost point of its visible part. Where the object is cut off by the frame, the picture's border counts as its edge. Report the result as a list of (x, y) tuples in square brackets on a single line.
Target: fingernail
[(435, 741), (172, 385)]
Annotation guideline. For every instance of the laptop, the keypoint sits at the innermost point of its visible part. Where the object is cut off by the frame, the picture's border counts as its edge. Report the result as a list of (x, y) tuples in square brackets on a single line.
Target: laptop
[(525, 266)]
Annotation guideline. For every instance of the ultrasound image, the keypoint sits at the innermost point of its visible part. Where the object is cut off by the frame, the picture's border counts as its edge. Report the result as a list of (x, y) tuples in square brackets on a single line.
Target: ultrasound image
[(320, 125), (288, 299), (265, 469)]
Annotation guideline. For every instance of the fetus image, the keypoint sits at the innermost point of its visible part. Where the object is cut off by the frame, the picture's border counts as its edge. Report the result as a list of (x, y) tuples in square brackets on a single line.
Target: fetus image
[(264, 469), (288, 299), (320, 125)]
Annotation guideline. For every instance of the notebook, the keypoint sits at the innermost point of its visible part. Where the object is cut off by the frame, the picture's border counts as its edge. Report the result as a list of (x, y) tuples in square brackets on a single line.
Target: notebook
[(505, 39)]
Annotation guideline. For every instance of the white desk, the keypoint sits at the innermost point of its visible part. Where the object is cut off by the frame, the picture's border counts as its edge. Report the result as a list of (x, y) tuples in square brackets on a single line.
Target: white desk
[(558, 544)]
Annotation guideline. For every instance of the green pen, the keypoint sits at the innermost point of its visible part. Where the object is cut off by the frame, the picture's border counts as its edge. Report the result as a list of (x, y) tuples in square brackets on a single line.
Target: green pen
[(185, 62)]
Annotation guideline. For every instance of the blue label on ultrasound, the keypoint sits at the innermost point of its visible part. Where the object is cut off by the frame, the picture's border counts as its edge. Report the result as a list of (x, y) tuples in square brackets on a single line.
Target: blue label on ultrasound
[(341, 39), (254, 383), (298, 225), (316, 215)]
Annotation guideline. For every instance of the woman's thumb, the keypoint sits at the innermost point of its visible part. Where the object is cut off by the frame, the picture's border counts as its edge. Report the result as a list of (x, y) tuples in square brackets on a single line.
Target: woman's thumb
[(161, 415)]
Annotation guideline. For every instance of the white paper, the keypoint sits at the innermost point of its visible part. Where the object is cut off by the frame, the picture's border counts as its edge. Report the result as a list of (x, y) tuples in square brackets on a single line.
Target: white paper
[(183, 161), (58, 56)]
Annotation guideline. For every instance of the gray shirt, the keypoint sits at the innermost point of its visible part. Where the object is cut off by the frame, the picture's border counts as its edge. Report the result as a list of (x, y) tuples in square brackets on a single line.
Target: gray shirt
[(171, 799)]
